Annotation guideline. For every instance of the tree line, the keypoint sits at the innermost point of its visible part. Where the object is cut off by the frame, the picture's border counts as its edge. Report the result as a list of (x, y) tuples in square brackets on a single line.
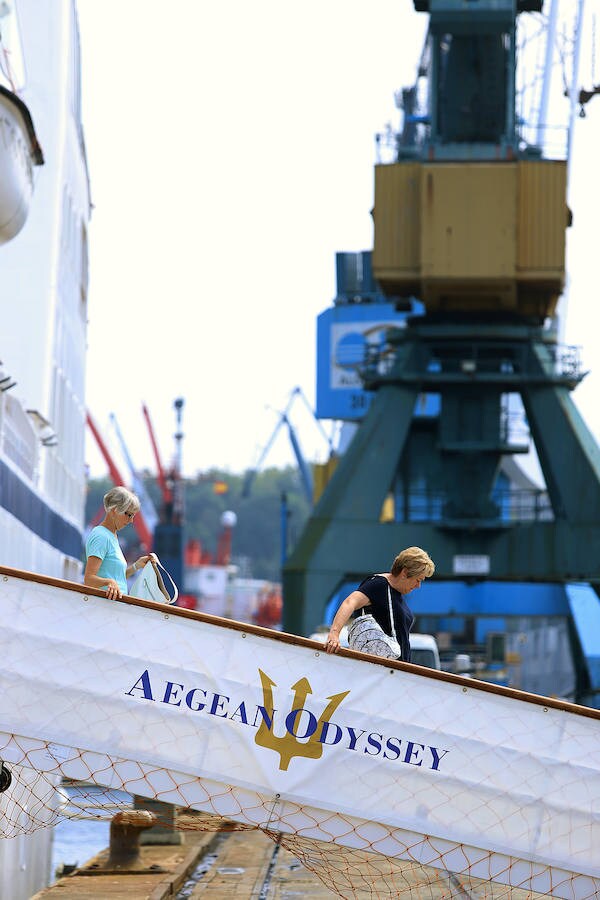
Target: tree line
[(257, 536)]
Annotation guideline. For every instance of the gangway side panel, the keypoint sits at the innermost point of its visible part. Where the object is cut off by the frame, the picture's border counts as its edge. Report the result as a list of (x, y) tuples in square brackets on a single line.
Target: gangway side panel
[(266, 729)]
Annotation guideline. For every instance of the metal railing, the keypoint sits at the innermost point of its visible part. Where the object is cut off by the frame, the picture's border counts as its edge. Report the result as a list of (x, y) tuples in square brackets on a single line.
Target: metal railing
[(470, 359), (513, 505)]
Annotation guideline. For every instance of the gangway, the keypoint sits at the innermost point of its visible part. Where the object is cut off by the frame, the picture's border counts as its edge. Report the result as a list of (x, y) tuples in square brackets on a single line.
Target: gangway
[(468, 779)]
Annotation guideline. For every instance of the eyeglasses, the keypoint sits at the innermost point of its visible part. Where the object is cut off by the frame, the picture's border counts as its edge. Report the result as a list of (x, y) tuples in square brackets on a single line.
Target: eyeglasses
[(130, 516)]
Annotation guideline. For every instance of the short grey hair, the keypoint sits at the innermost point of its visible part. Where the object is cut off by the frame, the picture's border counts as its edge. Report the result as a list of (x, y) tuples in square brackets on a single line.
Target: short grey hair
[(121, 500)]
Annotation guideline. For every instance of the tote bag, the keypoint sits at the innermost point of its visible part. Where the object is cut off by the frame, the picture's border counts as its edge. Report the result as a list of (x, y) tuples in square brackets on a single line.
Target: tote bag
[(366, 635), (149, 584)]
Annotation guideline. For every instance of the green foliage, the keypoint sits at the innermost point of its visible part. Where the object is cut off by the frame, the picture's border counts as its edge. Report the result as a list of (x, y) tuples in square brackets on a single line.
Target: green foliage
[(257, 534)]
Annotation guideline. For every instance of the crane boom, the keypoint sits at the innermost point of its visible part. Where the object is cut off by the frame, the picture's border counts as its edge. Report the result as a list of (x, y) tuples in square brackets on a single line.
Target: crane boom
[(162, 479), (305, 473), (148, 508)]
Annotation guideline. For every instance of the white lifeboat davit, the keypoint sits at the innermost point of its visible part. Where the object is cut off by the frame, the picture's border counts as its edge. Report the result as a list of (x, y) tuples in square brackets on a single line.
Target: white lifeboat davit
[(19, 152)]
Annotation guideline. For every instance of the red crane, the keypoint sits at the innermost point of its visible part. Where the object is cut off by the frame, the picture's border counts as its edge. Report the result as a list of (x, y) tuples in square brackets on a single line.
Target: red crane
[(139, 523), (167, 493)]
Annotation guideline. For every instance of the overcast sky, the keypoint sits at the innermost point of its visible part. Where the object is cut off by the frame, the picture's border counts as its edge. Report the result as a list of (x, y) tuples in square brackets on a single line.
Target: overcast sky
[(231, 151)]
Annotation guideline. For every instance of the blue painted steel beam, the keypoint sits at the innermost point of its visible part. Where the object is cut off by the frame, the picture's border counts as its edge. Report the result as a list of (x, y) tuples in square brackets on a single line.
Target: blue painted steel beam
[(489, 598), (483, 598), (585, 609)]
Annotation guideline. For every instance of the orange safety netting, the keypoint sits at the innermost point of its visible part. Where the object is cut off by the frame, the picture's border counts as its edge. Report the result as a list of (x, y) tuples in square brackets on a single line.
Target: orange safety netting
[(41, 799)]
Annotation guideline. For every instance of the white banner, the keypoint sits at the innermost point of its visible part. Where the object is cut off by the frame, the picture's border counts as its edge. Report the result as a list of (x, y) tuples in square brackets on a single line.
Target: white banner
[(392, 759)]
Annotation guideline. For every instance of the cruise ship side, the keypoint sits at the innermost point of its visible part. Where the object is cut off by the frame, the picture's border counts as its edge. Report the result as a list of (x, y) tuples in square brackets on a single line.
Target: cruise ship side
[(44, 214)]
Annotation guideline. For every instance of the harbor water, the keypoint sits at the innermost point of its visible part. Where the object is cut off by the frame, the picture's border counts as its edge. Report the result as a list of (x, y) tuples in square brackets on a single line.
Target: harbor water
[(85, 831)]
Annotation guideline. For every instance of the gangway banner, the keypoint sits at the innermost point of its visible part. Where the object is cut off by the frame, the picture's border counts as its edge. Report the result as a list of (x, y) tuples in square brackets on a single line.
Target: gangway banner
[(267, 729)]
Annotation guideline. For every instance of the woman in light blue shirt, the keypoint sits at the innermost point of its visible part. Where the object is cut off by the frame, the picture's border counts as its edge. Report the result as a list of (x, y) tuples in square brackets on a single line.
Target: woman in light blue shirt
[(105, 566)]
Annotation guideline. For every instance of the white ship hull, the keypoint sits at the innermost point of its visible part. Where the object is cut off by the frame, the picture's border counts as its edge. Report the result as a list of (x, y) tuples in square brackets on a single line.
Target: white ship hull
[(44, 214)]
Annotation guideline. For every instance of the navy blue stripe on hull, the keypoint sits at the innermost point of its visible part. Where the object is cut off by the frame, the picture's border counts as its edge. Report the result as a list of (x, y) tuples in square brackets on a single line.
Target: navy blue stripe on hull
[(24, 504)]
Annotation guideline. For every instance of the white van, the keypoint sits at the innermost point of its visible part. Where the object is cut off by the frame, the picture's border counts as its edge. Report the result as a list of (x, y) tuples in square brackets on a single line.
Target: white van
[(424, 651), (423, 647)]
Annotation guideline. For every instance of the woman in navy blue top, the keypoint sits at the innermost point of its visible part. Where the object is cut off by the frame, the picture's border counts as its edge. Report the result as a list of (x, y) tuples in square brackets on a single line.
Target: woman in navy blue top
[(410, 568)]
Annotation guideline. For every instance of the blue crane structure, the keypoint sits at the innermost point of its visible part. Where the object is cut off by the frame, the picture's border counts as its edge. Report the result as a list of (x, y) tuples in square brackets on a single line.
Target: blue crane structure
[(304, 469), (169, 529)]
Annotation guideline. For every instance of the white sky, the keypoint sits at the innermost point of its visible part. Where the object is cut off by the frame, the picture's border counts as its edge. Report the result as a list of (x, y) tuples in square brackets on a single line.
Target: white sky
[(231, 150)]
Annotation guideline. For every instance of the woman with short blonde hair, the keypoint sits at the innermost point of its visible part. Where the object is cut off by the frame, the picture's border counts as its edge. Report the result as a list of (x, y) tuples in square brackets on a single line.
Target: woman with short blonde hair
[(415, 561), (384, 592)]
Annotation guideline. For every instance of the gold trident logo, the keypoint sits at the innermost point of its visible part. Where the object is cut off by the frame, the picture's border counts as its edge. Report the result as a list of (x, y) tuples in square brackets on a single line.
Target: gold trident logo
[(290, 745)]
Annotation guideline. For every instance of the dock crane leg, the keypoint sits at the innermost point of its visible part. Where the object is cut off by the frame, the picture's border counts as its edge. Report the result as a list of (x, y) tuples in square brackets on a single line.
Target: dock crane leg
[(345, 525)]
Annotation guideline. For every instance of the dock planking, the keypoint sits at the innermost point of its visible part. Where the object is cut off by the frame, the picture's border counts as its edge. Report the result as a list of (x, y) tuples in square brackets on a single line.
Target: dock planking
[(220, 859)]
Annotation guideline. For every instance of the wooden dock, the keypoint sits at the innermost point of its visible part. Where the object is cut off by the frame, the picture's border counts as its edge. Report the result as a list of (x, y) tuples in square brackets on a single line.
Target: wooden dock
[(242, 864), (216, 860)]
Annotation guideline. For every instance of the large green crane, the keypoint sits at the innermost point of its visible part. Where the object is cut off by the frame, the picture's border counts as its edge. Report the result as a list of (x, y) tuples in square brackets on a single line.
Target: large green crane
[(470, 218)]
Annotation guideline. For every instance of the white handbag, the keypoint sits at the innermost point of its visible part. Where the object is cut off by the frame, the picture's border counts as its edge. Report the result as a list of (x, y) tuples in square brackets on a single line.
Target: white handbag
[(148, 584), (366, 635)]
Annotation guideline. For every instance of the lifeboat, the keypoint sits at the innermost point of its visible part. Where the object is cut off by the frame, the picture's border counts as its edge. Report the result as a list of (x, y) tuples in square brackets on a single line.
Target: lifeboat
[(19, 152)]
